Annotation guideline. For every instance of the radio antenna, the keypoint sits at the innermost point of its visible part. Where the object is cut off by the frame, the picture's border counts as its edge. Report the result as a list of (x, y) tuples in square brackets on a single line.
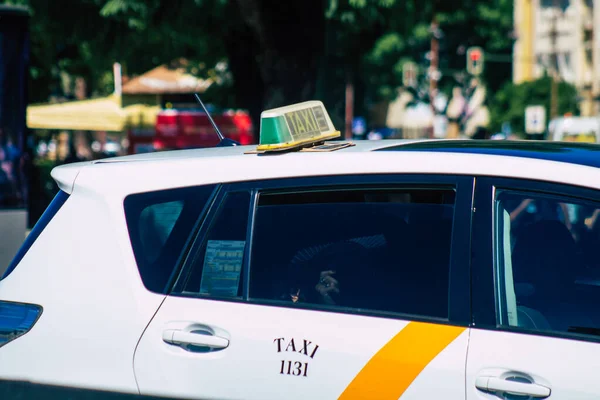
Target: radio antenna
[(223, 141)]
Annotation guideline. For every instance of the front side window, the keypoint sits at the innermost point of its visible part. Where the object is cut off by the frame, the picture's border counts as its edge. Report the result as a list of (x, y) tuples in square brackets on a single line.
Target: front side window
[(364, 249), (548, 273)]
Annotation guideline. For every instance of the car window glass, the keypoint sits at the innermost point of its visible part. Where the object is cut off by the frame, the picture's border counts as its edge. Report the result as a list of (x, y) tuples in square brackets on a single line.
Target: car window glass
[(156, 224), (216, 266), (546, 257), (373, 249), (160, 224)]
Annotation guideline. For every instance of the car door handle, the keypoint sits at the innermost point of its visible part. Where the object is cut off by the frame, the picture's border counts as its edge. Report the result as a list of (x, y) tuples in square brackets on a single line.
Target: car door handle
[(494, 384), (182, 338)]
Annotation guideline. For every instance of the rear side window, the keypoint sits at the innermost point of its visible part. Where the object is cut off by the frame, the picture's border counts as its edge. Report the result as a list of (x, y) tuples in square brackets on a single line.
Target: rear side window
[(55, 205), (367, 249), (160, 224)]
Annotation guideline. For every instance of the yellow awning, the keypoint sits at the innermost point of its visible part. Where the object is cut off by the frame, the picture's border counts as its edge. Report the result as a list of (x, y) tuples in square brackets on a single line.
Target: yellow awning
[(103, 114)]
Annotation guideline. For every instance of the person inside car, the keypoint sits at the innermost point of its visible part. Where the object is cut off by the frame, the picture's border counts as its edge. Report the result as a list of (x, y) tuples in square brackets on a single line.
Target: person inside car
[(344, 274)]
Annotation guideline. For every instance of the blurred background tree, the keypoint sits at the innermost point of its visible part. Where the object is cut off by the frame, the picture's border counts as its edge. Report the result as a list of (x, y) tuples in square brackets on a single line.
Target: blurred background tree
[(277, 52), (462, 23), (509, 103)]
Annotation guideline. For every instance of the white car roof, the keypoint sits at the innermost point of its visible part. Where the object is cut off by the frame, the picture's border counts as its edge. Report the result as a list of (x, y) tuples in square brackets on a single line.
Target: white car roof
[(547, 161)]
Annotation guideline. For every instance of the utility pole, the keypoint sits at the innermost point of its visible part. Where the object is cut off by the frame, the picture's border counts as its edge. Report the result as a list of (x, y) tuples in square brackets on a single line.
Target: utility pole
[(590, 88), (434, 61), (349, 104), (589, 44), (554, 61), (595, 40)]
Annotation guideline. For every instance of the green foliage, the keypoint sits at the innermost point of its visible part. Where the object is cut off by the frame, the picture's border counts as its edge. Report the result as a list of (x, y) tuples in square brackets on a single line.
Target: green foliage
[(85, 37), (406, 34), (366, 41), (162, 30), (71, 37), (510, 102)]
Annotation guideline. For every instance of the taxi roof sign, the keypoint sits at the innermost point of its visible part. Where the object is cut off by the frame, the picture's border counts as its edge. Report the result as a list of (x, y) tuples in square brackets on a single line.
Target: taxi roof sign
[(294, 126)]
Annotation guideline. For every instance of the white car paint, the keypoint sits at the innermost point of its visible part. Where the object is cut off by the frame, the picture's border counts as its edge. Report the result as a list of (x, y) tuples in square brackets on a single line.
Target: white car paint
[(563, 365), (199, 167), (96, 309), (82, 271), (346, 343)]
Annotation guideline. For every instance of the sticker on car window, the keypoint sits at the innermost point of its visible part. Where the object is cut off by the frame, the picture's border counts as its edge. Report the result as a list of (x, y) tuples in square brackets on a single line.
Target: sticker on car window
[(222, 267)]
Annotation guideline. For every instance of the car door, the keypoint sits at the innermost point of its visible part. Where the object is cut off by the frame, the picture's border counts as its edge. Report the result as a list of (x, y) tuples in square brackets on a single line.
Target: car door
[(346, 287), (536, 292)]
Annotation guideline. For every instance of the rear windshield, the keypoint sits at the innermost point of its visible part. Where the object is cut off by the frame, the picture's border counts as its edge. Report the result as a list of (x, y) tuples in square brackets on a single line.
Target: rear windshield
[(160, 224), (44, 220)]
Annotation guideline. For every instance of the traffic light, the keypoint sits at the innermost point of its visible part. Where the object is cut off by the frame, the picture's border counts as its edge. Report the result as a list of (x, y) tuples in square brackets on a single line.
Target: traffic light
[(475, 60)]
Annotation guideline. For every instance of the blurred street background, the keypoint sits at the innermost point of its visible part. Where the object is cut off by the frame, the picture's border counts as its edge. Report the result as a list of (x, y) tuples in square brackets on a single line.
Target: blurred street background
[(87, 79)]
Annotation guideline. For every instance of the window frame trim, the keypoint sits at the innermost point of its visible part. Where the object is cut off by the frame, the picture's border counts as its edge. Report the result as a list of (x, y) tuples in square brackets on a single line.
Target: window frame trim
[(485, 294), (247, 261), (56, 204), (459, 292), (197, 240), (200, 222)]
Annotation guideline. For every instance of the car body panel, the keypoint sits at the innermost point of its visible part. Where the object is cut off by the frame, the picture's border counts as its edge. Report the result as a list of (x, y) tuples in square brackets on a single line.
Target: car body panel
[(563, 365), (358, 356), (83, 272), (559, 361), (346, 343), (126, 178), (94, 305)]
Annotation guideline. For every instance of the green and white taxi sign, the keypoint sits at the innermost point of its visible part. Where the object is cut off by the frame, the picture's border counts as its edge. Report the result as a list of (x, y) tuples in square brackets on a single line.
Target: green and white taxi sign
[(294, 126)]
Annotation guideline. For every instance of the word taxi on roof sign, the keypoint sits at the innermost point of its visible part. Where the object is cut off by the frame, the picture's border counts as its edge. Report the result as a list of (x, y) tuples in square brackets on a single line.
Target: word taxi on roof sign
[(299, 126)]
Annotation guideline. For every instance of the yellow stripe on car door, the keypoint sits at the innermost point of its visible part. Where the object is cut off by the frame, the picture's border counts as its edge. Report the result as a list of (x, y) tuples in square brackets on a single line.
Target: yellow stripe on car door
[(397, 364)]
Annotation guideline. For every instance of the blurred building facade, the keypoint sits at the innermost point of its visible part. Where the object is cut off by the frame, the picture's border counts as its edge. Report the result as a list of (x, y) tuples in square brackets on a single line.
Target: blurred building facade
[(564, 28)]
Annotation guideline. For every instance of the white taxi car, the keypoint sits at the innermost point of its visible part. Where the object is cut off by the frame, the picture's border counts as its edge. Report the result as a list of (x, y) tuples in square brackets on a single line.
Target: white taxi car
[(369, 270)]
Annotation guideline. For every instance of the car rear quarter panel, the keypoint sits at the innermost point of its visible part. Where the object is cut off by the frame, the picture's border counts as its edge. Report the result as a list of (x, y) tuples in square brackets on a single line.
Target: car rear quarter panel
[(95, 308)]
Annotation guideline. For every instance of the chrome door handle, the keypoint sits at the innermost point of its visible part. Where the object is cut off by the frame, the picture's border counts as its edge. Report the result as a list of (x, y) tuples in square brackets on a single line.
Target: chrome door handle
[(494, 384), (183, 338)]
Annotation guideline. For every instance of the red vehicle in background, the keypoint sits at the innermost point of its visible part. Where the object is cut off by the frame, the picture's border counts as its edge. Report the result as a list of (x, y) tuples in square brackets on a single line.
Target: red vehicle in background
[(185, 129)]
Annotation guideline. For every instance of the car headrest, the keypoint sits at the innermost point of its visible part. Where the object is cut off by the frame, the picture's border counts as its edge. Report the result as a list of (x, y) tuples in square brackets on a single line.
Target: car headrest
[(545, 252)]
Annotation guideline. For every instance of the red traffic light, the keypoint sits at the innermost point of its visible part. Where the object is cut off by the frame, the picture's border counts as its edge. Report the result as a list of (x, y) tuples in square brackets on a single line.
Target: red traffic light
[(475, 60)]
